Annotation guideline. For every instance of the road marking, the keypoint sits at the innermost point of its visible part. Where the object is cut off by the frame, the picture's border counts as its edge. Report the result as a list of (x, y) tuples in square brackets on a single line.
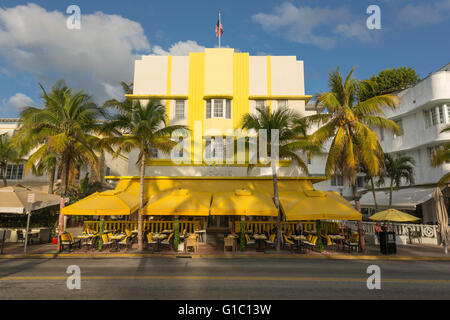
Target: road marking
[(224, 278)]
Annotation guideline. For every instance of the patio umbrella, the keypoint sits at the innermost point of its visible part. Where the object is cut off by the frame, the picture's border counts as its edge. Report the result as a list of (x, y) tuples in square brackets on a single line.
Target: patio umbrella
[(14, 200), (441, 217), (393, 215)]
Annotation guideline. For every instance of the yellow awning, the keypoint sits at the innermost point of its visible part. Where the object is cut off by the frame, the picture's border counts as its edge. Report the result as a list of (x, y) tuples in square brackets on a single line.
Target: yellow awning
[(182, 202), (243, 202), (393, 215), (107, 203), (317, 205)]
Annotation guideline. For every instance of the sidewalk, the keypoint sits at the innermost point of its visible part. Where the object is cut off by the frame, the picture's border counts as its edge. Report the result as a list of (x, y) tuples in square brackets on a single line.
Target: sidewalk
[(404, 252)]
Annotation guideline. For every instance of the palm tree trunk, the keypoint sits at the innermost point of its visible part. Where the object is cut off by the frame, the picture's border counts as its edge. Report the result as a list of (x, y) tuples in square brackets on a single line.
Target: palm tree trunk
[(52, 180), (362, 242), (141, 204), (65, 173), (5, 183), (390, 192), (277, 203), (374, 196)]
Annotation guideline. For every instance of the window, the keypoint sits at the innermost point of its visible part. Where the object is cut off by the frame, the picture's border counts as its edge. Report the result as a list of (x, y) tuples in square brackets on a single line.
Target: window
[(282, 104), (434, 117), (108, 171), (336, 180), (260, 103), (441, 114), (208, 109), (360, 182), (14, 172), (218, 108), (400, 124), (179, 109), (154, 152), (426, 116), (215, 148), (381, 134)]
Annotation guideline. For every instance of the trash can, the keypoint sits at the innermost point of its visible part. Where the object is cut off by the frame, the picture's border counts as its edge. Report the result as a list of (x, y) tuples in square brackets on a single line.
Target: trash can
[(387, 243)]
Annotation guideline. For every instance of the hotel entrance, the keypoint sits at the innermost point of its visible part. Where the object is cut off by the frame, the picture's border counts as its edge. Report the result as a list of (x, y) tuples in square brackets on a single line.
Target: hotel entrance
[(218, 223)]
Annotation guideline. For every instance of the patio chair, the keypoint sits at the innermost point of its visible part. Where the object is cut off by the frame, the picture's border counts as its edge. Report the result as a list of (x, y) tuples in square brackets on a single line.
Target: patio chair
[(125, 242), (271, 241), (167, 242), (248, 241), (150, 242), (191, 242), (288, 243), (74, 242), (330, 243), (106, 241), (352, 244), (92, 243), (312, 243), (65, 242), (21, 236)]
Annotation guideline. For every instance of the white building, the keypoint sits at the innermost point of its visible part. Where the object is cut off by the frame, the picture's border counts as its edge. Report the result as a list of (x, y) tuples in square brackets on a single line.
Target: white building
[(423, 112)]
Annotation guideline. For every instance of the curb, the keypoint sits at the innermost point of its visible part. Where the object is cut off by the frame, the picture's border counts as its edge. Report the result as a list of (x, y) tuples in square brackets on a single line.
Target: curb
[(219, 256)]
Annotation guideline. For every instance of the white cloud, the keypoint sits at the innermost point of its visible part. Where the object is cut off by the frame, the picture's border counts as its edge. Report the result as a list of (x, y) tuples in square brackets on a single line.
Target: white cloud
[(181, 48), (95, 58), (306, 24), (423, 14), (15, 103)]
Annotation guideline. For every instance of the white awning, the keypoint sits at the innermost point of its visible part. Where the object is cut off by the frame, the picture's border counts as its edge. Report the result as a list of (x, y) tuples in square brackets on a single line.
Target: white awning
[(406, 199)]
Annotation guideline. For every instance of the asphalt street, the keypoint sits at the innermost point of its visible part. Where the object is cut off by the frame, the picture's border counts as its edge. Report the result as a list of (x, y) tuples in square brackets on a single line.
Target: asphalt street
[(170, 278)]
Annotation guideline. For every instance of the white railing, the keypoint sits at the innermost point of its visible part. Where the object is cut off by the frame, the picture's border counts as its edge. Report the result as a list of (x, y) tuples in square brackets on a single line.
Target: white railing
[(427, 233)]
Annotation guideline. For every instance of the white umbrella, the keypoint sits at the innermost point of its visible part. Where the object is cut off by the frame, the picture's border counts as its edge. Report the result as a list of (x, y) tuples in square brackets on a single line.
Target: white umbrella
[(441, 217), (15, 200)]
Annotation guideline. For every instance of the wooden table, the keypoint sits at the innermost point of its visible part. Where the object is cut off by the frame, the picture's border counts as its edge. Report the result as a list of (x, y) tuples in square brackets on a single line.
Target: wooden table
[(299, 240), (260, 238), (158, 237)]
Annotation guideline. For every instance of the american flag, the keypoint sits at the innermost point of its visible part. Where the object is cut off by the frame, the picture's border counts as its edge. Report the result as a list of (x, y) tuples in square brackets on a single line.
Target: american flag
[(219, 29)]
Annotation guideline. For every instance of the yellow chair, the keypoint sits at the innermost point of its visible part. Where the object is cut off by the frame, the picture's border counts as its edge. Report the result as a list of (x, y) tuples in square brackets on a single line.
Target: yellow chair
[(249, 241), (166, 242), (106, 241), (288, 243), (330, 242)]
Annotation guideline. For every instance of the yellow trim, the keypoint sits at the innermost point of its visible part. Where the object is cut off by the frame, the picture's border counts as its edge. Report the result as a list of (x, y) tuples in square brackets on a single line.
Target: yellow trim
[(169, 84), (269, 81), (313, 179), (280, 97), (218, 96), (196, 109), (156, 96)]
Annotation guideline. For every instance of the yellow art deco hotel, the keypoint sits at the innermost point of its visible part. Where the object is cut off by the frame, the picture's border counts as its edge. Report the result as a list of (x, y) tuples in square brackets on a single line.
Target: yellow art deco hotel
[(210, 92)]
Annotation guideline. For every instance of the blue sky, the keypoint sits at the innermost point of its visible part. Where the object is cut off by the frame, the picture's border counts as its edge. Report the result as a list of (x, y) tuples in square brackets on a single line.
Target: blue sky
[(36, 46)]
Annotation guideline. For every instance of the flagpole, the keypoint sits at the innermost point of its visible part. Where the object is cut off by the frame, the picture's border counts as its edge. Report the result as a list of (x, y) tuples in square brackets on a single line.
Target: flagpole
[(220, 23)]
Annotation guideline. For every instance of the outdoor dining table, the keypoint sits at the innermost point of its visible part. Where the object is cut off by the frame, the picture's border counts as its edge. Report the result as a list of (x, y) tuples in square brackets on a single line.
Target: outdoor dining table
[(116, 239), (260, 238), (338, 239), (299, 240), (158, 237), (84, 237)]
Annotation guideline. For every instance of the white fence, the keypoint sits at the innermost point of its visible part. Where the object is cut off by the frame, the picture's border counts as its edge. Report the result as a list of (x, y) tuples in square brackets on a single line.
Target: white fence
[(426, 234)]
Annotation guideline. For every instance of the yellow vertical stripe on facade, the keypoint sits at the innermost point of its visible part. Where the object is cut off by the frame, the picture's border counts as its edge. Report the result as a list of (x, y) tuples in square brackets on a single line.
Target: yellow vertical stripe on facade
[(240, 88), (169, 85), (269, 81), (196, 104)]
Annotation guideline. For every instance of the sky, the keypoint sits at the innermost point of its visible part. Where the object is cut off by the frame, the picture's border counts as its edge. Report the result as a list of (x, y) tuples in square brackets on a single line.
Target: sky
[(36, 46)]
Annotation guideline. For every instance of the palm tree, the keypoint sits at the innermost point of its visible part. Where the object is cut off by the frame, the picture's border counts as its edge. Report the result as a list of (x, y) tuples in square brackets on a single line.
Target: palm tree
[(141, 127), (369, 178), (397, 168), (8, 155), (348, 122), (43, 160), (67, 125), (292, 138), (442, 155)]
